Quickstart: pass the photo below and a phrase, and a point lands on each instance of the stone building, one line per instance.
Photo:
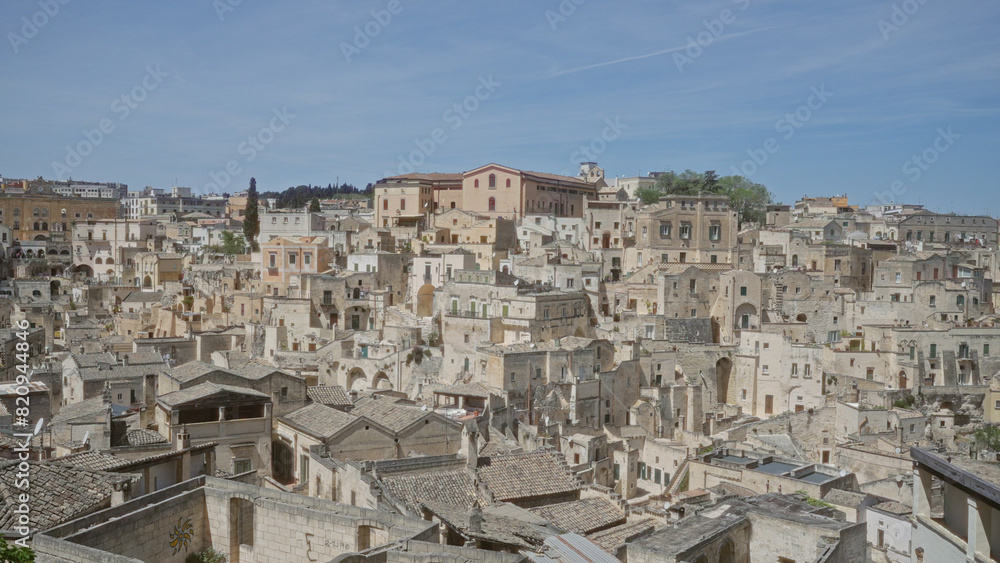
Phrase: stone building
(697, 229)
(39, 213)
(238, 419)
(950, 229)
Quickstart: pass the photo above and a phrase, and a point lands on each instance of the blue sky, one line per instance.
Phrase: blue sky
(700, 85)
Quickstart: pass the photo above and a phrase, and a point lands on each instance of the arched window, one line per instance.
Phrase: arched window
(45, 212)
(493, 204)
(90, 215)
(63, 213)
(476, 183)
(34, 212)
(17, 212)
(45, 226)
(109, 261)
(493, 180)
(17, 226)
(36, 226)
(960, 301)
(508, 182)
(99, 260)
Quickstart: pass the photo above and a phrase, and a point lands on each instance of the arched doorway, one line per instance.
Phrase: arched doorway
(728, 552)
(795, 260)
(902, 379)
(425, 300)
(746, 316)
(723, 369)
(381, 381)
(147, 282)
(793, 399)
(283, 461)
(357, 380)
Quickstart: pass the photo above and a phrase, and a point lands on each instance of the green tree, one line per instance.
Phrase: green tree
(15, 554)
(749, 199)
(232, 243)
(314, 205)
(251, 221)
(987, 438)
(207, 555)
(650, 195)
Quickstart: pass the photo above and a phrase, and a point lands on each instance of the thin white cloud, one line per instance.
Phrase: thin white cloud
(653, 54)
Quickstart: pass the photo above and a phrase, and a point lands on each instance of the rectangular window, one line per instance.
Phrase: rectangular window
(714, 232)
(307, 258)
(303, 468)
(272, 260)
(665, 230)
(241, 466)
(870, 373)
(768, 404)
(795, 370)
(685, 231)
(807, 370)
(986, 349)
(743, 291)
(933, 351)
(291, 259)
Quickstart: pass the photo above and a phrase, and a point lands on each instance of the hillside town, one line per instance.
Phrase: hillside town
(496, 365)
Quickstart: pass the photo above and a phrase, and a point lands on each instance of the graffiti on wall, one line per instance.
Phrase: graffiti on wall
(182, 535)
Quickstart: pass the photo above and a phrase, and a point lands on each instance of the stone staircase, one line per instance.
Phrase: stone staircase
(675, 481)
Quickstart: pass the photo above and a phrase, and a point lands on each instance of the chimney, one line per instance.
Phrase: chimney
(118, 494)
(183, 440)
(476, 518)
(125, 360)
(471, 446)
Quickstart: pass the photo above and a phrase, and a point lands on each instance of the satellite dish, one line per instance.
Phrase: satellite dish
(38, 427)
(898, 450)
(843, 473)
(424, 408)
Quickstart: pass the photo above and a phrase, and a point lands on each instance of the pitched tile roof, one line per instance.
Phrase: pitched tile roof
(613, 538)
(518, 476)
(59, 493)
(95, 461)
(319, 420)
(143, 297)
(142, 437)
(193, 370)
(582, 516)
(204, 390)
(93, 411)
(393, 416)
(330, 395)
(494, 527)
(454, 488)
